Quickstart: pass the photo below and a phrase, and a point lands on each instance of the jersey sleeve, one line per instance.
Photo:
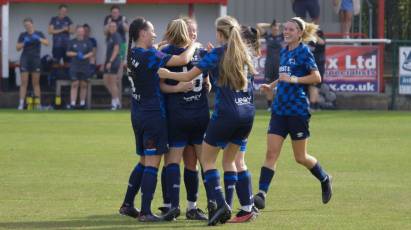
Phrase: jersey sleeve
(94, 42)
(41, 34)
(209, 61)
(90, 46)
(70, 22)
(310, 61)
(203, 52)
(52, 21)
(157, 59)
(21, 38)
(117, 39)
(70, 46)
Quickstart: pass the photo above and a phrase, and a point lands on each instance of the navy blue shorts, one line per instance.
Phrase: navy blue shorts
(296, 126)
(30, 64)
(301, 7)
(80, 76)
(60, 53)
(150, 134)
(219, 133)
(183, 131)
(115, 67)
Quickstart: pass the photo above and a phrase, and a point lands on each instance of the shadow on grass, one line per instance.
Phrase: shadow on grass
(100, 222)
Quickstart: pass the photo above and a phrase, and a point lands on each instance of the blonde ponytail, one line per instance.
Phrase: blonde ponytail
(236, 63)
(309, 29)
(310, 32)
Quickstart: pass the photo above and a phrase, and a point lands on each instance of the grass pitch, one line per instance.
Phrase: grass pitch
(69, 170)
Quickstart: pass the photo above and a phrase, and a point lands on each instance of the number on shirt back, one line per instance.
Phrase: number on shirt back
(131, 80)
(197, 82)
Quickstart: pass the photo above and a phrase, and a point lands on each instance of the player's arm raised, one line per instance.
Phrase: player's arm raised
(185, 57)
(180, 76)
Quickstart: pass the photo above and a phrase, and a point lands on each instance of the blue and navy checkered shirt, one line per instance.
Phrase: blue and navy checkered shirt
(292, 99)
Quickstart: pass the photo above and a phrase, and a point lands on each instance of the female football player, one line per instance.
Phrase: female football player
(147, 113)
(233, 116)
(290, 109)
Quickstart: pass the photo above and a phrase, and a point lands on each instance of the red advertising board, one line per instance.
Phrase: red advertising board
(353, 69)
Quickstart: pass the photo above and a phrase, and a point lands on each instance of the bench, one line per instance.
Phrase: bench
(91, 83)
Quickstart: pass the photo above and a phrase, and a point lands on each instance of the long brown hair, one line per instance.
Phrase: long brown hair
(237, 60)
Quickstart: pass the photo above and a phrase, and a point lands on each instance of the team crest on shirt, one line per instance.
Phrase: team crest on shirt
(195, 58)
(291, 61)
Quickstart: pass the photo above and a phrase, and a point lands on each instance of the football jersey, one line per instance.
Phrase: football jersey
(144, 80)
(291, 99)
(231, 105)
(84, 46)
(191, 101)
(61, 39)
(32, 47)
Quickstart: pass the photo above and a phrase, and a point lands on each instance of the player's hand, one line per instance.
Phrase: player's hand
(163, 72)
(209, 46)
(108, 66)
(207, 85)
(80, 56)
(26, 40)
(185, 86)
(284, 78)
(265, 88)
(66, 29)
(35, 37)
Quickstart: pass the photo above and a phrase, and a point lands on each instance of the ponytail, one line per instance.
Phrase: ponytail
(310, 32)
(309, 29)
(237, 60)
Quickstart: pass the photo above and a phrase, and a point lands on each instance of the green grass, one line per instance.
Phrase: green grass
(69, 170)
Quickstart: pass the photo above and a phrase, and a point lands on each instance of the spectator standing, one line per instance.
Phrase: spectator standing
(302, 7)
(112, 64)
(87, 30)
(274, 41)
(61, 27)
(80, 50)
(122, 27)
(346, 9)
(30, 42)
(318, 50)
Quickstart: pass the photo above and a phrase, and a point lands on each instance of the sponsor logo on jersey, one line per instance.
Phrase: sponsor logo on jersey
(243, 100)
(192, 98)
